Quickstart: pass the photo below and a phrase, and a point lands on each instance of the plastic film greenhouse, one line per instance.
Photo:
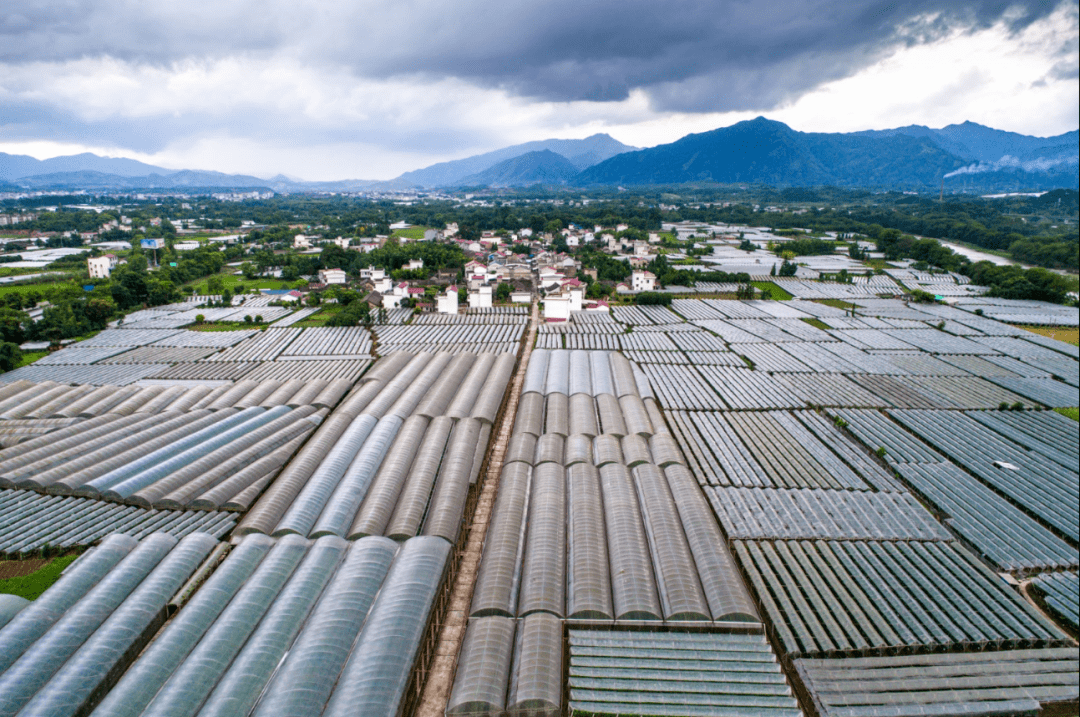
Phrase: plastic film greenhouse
(710, 507)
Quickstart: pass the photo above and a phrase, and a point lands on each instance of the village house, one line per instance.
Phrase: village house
(98, 267)
(332, 276)
(448, 302)
(481, 298)
(558, 306)
(643, 281)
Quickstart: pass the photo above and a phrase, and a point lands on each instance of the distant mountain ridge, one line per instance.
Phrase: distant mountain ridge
(544, 167)
(967, 156)
(17, 166)
(976, 142)
(581, 153)
(185, 178)
(769, 152)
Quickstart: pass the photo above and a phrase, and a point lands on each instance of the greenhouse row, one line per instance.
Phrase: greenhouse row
(622, 499)
(399, 455)
(451, 347)
(309, 371)
(449, 334)
(27, 400)
(1041, 486)
(982, 683)
(642, 315)
(636, 673)
(328, 342)
(99, 375)
(146, 337)
(57, 653)
(827, 598)
(509, 666)
(1061, 593)
(1000, 531)
(177, 355)
(777, 450)
(159, 354)
(263, 346)
(777, 514)
(32, 521)
(349, 619)
(584, 324)
(176, 320)
(469, 319)
(295, 317)
(176, 460)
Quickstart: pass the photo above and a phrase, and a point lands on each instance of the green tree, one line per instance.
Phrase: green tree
(99, 309)
(215, 285)
(10, 356)
(11, 325)
(160, 292)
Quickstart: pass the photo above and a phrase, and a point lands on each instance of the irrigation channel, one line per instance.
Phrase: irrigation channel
(440, 676)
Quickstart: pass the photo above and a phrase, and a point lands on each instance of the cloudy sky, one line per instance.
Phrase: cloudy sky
(371, 88)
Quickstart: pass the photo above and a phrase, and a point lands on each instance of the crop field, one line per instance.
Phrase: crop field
(1068, 335)
(31, 585)
(231, 280)
(714, 507)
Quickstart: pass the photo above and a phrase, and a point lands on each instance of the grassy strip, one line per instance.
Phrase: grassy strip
(1067, 334)
(47, 287)
(230, 281)
(836, 303)
(32, 585)
(30, 357)
(211, 326)
(319, 318)
(817, 324)
(415, 233)
(778, 294)
(1073, 413)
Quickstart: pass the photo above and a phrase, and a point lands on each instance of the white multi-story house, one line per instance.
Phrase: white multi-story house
(332, 276)
(557, 307)
(642, 281)
(448, 303)
(99, 267)
(481, 298)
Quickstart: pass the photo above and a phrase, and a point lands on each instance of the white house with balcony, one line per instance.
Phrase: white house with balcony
(558, 307)
(381, 281)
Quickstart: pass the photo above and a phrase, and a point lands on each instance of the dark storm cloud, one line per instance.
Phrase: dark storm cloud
(688, 55)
